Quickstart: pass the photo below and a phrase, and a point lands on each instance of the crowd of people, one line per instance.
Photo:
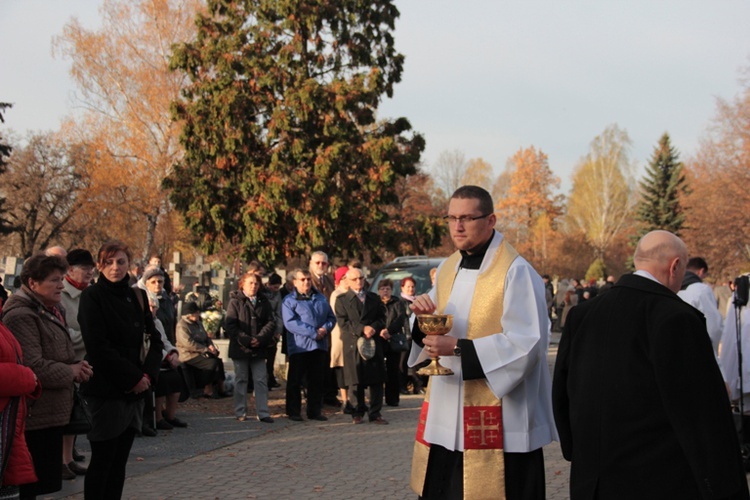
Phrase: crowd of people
(108, 329)
(640, 399)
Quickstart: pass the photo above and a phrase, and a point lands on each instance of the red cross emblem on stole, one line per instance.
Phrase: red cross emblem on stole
(483, 428)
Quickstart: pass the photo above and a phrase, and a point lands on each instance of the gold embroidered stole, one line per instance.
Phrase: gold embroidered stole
(484, 468)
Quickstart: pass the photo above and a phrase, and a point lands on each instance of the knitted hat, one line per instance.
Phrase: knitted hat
(340, 273)
(150, 272)
(274, 279)
(190, 308)
(80, 257)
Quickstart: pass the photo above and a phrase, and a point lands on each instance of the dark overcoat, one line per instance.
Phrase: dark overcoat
(352, 315)
(639, 401)
(113, 324)
(245, 321)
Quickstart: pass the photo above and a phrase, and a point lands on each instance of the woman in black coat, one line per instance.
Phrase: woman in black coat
(250, 326)
(395, 317)
(125, 349)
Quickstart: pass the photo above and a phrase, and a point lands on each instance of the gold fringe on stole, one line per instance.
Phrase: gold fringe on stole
(421, 449)
(484, 464)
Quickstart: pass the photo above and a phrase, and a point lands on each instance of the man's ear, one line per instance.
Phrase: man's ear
(675, 265)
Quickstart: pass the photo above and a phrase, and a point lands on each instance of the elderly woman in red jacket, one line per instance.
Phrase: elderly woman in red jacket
(19, 383)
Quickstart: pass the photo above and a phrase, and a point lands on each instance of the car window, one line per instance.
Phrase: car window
(420, 273)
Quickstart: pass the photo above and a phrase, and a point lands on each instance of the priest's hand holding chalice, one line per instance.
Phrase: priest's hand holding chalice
(435, 327)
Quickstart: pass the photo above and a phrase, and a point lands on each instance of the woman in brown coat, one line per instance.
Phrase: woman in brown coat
(34, 317)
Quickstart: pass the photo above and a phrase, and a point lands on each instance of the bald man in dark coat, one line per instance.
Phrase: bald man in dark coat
(638, 398)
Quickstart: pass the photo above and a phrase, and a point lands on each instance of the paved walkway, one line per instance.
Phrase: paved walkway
(306, 460)
(218, 457)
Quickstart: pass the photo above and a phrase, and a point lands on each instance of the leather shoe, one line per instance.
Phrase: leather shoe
(67, 474)
(266, 420)
(175, 422)
(357, 420)
(379, 421)
(319, 418)
(163, 425)
(296, 418)
(77, 456)
(148, 431)
(76, 469)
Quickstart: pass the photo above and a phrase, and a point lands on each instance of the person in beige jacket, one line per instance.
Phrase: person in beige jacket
(36, 320)
(337, 345)
(198, 351)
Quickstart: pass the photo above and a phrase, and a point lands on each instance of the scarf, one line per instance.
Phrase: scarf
(79, 286)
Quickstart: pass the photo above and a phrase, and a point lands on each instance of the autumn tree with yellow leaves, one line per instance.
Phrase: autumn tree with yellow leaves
(126, 89)
(478, 173)
(601, 204)
(527, 206)
(717, 226)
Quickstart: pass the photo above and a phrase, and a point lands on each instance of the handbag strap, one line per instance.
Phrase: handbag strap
(139, 295)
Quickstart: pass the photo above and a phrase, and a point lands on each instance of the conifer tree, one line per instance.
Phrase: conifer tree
(661, 188)
(283, 149)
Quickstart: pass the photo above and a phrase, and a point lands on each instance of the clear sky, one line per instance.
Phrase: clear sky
(486, 77)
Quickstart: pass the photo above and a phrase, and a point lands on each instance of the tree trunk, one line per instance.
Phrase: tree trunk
(151, 220)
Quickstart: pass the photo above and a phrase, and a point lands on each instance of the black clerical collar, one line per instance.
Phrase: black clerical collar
(474, 260)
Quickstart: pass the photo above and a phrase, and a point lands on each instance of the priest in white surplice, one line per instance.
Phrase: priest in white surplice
(481, 430)
(701, 296)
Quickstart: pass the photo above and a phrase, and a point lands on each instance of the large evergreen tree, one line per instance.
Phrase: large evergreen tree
(659, 206)
(283, 151)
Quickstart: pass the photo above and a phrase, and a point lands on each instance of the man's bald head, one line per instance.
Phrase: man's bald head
(663, 255)
(56, 251)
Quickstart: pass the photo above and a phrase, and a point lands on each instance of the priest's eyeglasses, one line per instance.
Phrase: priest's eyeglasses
(464, 219)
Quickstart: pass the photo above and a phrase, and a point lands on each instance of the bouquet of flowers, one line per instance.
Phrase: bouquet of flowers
(212, 321)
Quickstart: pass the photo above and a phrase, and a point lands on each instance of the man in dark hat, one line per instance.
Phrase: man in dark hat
(78, 277)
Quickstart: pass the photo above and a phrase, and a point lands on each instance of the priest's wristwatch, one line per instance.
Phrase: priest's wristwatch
(457, 350)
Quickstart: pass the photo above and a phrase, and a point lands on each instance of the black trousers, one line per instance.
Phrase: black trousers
(309, 365)
(330, 386)
(212, 369)
(270, 360)
(105, 477)
(392, 377)
(45, 446)
(524, 475)
(356, 396)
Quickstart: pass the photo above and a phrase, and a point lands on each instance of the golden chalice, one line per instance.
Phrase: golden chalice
(435, 324)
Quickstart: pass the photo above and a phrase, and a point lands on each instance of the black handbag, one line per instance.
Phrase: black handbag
(80, 416)
(398, 342)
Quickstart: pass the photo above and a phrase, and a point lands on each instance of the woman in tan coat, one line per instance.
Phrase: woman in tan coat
(34, 317)
(337, 345)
